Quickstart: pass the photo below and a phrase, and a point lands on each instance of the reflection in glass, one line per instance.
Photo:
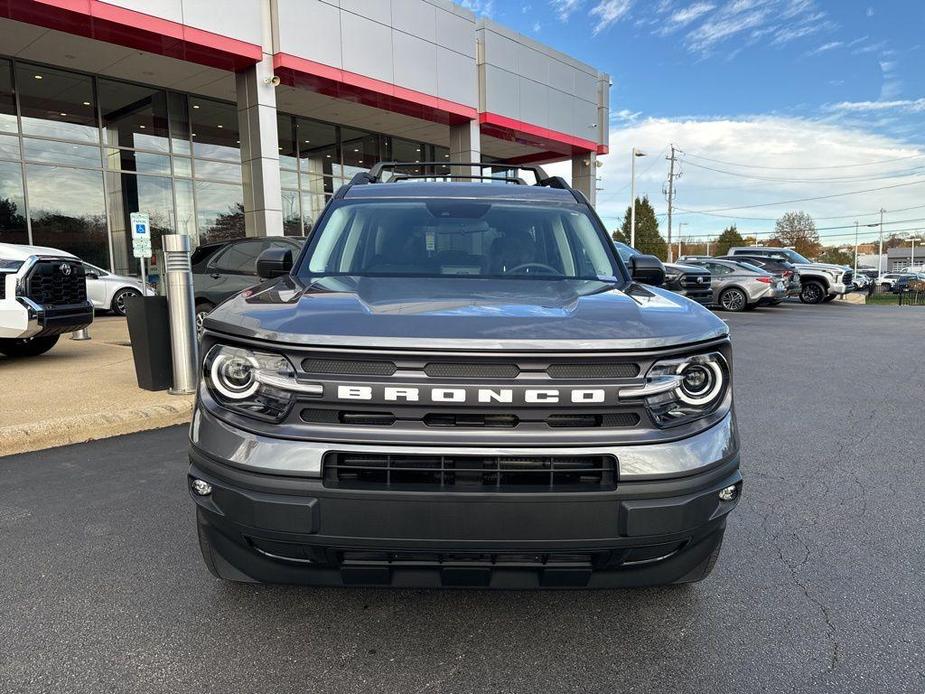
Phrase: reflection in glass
(133, 116)
(405, 150)
(292, 213)
(7, 101)
(131, 193)
(289, 179)
(186, 212)
(9, 147)
(12, 204)
(360, 151)
(178, 111)
(317, 147)
(182, 167)
(288, 152)
(55, 103)
(215, 130)
(61, 153)
(312, 204)
(218, 171)
(140, 162)
(220, 211)
(67, 211)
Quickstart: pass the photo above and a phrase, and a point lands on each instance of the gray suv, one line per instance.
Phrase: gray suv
(462, 384)
(739, 286)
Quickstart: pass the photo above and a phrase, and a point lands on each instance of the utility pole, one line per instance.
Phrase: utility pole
(880, 252)
(671, 177)
(856, 225)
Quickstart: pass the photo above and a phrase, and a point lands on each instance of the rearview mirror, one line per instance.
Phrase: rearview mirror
(647, 269)
(274, 262)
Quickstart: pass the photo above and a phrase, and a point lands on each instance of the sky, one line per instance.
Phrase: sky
(769, 102)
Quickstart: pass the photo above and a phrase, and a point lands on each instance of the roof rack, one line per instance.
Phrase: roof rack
(375, 173)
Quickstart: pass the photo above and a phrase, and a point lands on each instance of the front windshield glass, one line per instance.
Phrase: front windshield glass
(459, 238)
(795, 257)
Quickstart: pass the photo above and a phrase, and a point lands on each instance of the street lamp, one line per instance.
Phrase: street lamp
(880, 249)
(856, 225)
(636, 153)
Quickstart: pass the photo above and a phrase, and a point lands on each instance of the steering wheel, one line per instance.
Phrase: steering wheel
(541, 266)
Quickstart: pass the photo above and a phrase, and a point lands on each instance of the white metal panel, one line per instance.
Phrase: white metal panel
(237, 19)
(456, 77)
(456, 32)
(367, 47)
(171, 10)
(416, 17)
(310, 29)
(415, 62)
(376, 10)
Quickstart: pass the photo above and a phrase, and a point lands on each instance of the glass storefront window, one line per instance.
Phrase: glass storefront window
(215, 130)
(219, 211)
(360, 150)
(55, 103)
(182, 167)
(289, 179)
(67, 211)
(186, 210)
(312, 204)
(288, 150)
(133, 116)
(218, 171)
(132, 193)
(317, 147)
(139, 162)
(292, 213)
(178, 113)
(61, 153)
(12, 204)
(7, 100)
(405, 150)
(9, 147)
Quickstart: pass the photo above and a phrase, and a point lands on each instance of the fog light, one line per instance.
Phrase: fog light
(203, 488)
(729, 493)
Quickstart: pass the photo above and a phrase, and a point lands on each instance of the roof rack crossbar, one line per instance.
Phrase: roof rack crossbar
(411, 177)
(542, 178)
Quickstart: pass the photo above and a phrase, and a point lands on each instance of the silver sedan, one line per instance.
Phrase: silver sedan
(738, 286)
(108, 292)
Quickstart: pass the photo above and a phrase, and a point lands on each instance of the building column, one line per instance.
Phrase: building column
(584, 175)
(263, 214)
(466, 145)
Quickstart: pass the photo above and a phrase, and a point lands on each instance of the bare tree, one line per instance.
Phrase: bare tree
(797, 230)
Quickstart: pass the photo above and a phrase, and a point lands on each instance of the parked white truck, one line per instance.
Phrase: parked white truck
(43, 294)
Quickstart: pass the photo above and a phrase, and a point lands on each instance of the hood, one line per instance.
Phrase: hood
(459, 313)
(821, 266)
(687, 269)
(16, 251)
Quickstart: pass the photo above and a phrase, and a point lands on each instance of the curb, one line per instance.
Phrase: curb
(50, 433)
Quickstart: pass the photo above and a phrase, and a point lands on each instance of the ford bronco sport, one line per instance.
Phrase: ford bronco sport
(462, 384)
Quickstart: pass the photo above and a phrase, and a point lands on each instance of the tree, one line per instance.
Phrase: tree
(728, 239)
(648, 240)
(617, 235)
(836, 256)
(797, 230)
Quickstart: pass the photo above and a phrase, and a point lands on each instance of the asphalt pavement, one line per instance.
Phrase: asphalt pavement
(820, 586)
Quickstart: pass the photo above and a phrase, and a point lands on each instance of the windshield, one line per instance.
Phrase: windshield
(459, 238)
(795, 257)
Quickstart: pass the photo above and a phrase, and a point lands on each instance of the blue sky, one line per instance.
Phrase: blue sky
(797, 99)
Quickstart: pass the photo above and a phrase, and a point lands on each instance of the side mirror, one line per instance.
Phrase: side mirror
(274, 262)
(647, 269)
(91, 275)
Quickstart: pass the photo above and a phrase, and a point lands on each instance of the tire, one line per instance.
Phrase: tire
(203, 309)
(118, 301)
(828, 298)
(813, 293)
(28, 346)
(733, 300)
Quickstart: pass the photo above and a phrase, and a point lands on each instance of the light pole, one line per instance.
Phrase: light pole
(912, 253)
(680, 226)
(856, 225)
(636, 153)
(880, 250)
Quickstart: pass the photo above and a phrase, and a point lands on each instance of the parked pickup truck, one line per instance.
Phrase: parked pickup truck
(458, 383)
(819, 282)
(43, 293)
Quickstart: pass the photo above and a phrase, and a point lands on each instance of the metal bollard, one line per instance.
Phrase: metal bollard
(181, 310)
(80, 335)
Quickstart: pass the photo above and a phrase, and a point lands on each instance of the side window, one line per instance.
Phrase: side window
(717, 269)
(239, 258)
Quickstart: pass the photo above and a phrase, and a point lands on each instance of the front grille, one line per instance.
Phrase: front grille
(47, 284)
(848, 277)
(469, 473)
(347, 367)
(477, 420)
(599, 370)
(690, 282)
(457, 370)
(3, 285)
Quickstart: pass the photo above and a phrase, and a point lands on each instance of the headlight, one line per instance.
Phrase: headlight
(680, 390)
(10, 265)
(258, 384)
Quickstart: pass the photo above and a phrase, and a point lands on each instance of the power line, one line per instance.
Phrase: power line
(804, 168)
(818, 197)
(770, 233)
(918, 171)
(853, 215)
(615, 193)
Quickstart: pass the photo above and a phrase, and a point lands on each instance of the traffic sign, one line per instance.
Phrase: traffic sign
(141, 234)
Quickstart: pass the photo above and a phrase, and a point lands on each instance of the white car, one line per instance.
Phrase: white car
(108, 292)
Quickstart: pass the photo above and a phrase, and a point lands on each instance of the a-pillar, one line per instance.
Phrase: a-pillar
(263, 214)
(584, 174)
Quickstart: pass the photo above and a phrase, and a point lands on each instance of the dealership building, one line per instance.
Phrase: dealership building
(242, 117)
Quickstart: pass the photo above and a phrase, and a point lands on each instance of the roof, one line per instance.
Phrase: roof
(455, 189)
(18, 251)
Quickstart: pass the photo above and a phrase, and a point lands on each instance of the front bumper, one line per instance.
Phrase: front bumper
(23, 318)
(291, 528)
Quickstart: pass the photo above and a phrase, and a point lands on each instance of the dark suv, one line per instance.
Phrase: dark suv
(462, 384)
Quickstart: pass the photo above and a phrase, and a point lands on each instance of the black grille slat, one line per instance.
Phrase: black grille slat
(47, 283)
(348, 367)
(596, 370)
(469, 473)
(440, 369)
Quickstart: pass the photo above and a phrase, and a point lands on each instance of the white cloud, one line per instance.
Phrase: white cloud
(870, 12)
(831, 45)
(908, 105)
(480, 7)
(609, 12)
(564, 8)
(764, 140)
(684, 16)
